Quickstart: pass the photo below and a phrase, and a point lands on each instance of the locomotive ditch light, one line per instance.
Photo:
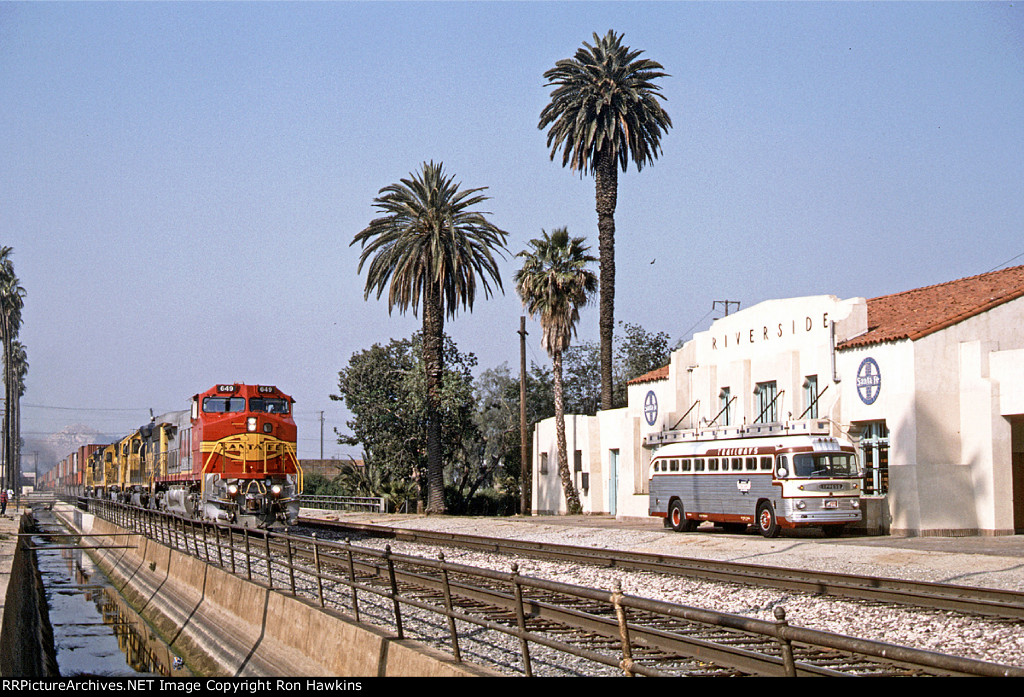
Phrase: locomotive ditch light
(232, 490)
(276, 490)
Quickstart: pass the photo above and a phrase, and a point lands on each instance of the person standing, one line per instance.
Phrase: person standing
(3, 501)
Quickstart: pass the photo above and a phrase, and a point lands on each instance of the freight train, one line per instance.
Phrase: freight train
(231, 457)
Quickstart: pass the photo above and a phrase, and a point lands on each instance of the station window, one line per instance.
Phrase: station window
(767, 407)
(811, 397)
(725, 407)
(543, 463)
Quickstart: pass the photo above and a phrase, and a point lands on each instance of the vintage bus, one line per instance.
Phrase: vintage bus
(774, 480)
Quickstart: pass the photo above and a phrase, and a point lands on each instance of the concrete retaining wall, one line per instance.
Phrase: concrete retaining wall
(26, 638)
(228, 626)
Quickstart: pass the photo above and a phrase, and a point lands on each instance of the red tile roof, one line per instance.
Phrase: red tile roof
(653, 376)
(914, 314)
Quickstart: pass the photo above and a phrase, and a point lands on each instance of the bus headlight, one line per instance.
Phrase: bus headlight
(855, 503)
(800, 505)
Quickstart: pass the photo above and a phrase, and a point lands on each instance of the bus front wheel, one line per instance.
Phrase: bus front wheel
(767, 524)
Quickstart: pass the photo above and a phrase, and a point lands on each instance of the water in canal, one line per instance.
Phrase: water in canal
(94, 631)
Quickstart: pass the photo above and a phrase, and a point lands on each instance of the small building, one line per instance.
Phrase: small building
(928, 383)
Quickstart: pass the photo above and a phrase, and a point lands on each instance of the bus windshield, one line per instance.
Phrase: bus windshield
(825, 465)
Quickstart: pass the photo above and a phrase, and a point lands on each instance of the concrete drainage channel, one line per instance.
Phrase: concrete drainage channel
(95, 632)
(63, 618)
(224, 625)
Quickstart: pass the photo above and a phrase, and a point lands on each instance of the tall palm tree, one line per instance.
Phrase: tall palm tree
(554, 283)
(604, 111)
(11, 303)
(19, 361)
(429, 250)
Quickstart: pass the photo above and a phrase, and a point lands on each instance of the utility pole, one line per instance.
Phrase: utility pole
(524, 448)
(321, 439)
(726, 303)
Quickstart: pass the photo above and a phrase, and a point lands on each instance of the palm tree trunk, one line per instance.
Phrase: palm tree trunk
(572, 499)
(433, 361)
(606, 182)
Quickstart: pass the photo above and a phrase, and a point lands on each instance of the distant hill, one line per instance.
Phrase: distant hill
(55, 447)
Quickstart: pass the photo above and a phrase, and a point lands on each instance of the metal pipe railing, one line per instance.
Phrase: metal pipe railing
(309, 562)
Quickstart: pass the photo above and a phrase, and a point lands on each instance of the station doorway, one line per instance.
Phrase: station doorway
(1017, 470)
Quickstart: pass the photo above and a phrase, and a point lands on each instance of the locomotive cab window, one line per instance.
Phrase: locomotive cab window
(223, 405)
(270, 405)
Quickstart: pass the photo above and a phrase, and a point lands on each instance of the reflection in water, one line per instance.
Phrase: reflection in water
(95, 632)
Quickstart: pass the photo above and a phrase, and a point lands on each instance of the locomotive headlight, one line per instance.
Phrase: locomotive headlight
(250, 424)
(276, 490)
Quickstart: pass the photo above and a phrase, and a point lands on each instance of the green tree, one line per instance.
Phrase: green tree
(604, 111)
(497, 397)
(639, 352)
(384, 388)
(554, 282)
(429, 249)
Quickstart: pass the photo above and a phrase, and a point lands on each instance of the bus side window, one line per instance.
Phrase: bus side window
(766, 463)
(750, 463)
(782, 463)
(686, 465)
(673, 465)
(657, 466)
(737, 464)
(713, 464)
(698, 464)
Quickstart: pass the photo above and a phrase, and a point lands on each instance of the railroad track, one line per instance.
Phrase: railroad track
(516, 622)
(924, 594)
(663, 639)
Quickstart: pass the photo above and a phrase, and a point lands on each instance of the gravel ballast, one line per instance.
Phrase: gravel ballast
(997, 641)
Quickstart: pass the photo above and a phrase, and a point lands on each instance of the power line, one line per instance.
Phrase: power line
(1006, 262)
(60, 408)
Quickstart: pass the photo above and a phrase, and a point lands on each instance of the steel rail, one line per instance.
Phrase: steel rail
(548, 611)
(763, 635)
(981, 601)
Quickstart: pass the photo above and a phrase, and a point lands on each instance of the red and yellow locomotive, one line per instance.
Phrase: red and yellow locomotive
(231, 456)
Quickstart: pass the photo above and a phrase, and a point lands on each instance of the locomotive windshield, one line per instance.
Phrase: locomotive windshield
(825, 465)
(223, 405)
(270, 405)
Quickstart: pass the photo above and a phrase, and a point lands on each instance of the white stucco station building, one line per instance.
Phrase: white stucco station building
(928, 383)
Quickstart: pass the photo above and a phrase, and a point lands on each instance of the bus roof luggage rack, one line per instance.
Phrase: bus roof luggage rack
(807, 427)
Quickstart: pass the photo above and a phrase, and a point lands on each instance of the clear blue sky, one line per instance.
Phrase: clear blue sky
(180, 182)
